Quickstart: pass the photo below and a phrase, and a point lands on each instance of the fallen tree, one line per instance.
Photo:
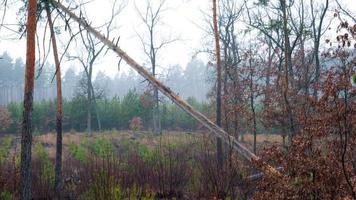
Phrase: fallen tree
(219, 132)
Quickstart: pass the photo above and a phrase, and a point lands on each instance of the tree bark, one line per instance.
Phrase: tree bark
(219, 150)
(58, 164)
(26, 132)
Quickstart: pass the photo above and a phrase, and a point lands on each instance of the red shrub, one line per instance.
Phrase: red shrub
(136, 124)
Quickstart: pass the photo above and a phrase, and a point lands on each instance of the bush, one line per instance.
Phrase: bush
(102, 147)
(42, 173)
(136, 124)
(15, 110)
(78, 152)
(5, 118)
(103, 180)
(47, 165)
(5, 146)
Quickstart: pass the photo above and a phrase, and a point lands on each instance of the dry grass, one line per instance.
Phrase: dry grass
(48, 139)
(145, 138)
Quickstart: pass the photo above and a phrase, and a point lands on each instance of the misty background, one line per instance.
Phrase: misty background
(190, 81)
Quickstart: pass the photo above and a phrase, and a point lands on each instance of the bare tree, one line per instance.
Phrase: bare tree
(94, 49)
(317, 33)
(88, 63)
(151, 17)
(26, 136)
(346, 11)
(287, 73)
(229, 14)
(279, 26)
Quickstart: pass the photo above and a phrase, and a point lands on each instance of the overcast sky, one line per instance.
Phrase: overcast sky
(181, 19)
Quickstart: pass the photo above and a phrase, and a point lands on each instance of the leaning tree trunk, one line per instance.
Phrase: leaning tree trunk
(246, 153)
(58, 165)
(26, 132)
(218, 85)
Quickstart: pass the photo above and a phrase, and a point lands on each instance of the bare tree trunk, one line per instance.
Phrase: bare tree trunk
(89, 99)
(305, 67)
(156, 112)
(58, 164)
(225, 110)
(317, 35)
(287, 64)
(245, 152)
(26, 136)
(96, 107)
(219, 150)
(236, 115)
(93, 97)
(268, 72)
(252, 102)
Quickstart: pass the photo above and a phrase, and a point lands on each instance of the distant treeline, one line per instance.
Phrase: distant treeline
(191, 81)
(114, 113)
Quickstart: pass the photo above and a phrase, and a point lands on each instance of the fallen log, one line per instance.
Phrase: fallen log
(219, 132)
